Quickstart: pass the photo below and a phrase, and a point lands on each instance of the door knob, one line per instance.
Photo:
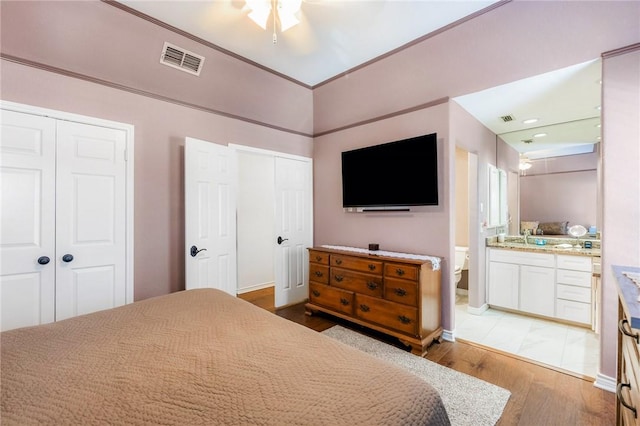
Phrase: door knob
(67, 258)
(194, 251)
(43, 260)
(282, 240)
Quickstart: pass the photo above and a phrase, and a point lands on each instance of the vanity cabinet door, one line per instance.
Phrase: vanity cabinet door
(503, 284)
(537, 290)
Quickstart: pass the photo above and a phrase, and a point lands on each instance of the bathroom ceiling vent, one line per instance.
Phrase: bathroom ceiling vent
(527, 141)
(507, 118)
(179, 58)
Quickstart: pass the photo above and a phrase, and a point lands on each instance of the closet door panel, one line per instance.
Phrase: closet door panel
(27, 233)
(90, 220)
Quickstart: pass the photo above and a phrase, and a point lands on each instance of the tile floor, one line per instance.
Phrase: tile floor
(571, 348)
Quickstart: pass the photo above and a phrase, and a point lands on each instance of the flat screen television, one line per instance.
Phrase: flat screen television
(395, 174)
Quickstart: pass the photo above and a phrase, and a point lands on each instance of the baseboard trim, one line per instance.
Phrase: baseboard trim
(448, 335)
(477, 311)
(255, 287)
(605, 383)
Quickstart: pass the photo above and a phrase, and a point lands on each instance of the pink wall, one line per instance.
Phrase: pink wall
(517, 40)
(569, 196)
(160, 129)
(621, 192)
(98, 40)
(95, 40)
(476, 55)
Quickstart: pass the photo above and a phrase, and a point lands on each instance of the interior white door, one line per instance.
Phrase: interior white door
(210, 216)
(90, 219)
(27, 232)
(293, 187)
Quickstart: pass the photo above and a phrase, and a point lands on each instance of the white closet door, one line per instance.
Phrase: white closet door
(294, 231)
(90, 219)
(210, 216)
(27, 234)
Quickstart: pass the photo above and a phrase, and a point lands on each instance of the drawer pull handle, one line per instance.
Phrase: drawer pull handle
(344, 301)
(316, 293)
(319, 274)
(404, 319)
(623, 330)
(338, 261)
(339, 278)
(372, 267)
(371, 285)
(318, 258)
(364, 308)
(400, 271)
(400, 292)
(621, 399)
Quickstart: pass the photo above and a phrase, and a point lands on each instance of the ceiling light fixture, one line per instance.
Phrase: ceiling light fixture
(530, 121)
(539, 135)
(282, 11)
(525, 163)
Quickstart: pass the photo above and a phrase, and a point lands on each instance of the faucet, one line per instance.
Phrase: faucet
(527, 232)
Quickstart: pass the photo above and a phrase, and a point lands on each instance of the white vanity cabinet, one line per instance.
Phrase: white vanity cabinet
(574, 294)
(552, 285)
(522, 281)
(537, 290)
(504, 284)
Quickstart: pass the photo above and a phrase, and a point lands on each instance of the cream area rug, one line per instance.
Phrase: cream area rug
(469, 401)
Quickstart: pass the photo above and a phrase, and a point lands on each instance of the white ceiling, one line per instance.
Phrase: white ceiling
(566, 103)
(335, 36)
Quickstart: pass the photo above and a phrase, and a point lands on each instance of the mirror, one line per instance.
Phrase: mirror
(553, 122)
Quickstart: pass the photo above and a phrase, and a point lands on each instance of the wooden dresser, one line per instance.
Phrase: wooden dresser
(628, 386)
(394, 295)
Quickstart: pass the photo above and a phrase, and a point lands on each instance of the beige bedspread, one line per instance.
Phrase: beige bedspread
(200, 357)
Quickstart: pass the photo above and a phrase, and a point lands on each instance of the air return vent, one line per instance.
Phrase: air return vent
(507, 118)
(181, 59)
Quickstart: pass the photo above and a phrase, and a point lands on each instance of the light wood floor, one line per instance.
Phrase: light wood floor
(539, 396)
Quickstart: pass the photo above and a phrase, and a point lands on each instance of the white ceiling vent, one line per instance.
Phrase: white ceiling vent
(507, 118)
(181, 59)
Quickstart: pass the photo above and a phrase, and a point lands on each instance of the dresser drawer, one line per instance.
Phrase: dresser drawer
(357, 264)
(565, 276)
(358, 282)
(575, 293)
(334, 298)
(319, 273)
(400, 317)
(318, 257)
(573, 311)
(397, 270)
(401, 291)
(630, 392)
(576, 263)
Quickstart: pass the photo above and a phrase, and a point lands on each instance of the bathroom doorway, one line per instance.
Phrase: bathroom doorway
(462, 229)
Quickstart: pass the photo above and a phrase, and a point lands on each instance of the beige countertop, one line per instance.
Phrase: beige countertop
(550, 247)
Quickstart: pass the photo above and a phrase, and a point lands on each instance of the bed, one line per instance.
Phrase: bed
(200, 357)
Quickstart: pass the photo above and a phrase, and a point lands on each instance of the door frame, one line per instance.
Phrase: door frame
(267, 152)
(129, 131)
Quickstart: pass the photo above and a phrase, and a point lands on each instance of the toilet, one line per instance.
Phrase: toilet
(462, 261)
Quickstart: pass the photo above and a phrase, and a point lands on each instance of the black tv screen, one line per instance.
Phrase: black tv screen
(395, 174)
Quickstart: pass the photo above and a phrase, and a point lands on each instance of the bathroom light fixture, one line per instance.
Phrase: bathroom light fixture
(282, 11)
(525, 163)
(539, 135)
(530, 121)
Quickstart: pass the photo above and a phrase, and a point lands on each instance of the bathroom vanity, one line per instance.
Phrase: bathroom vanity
(551, 281)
